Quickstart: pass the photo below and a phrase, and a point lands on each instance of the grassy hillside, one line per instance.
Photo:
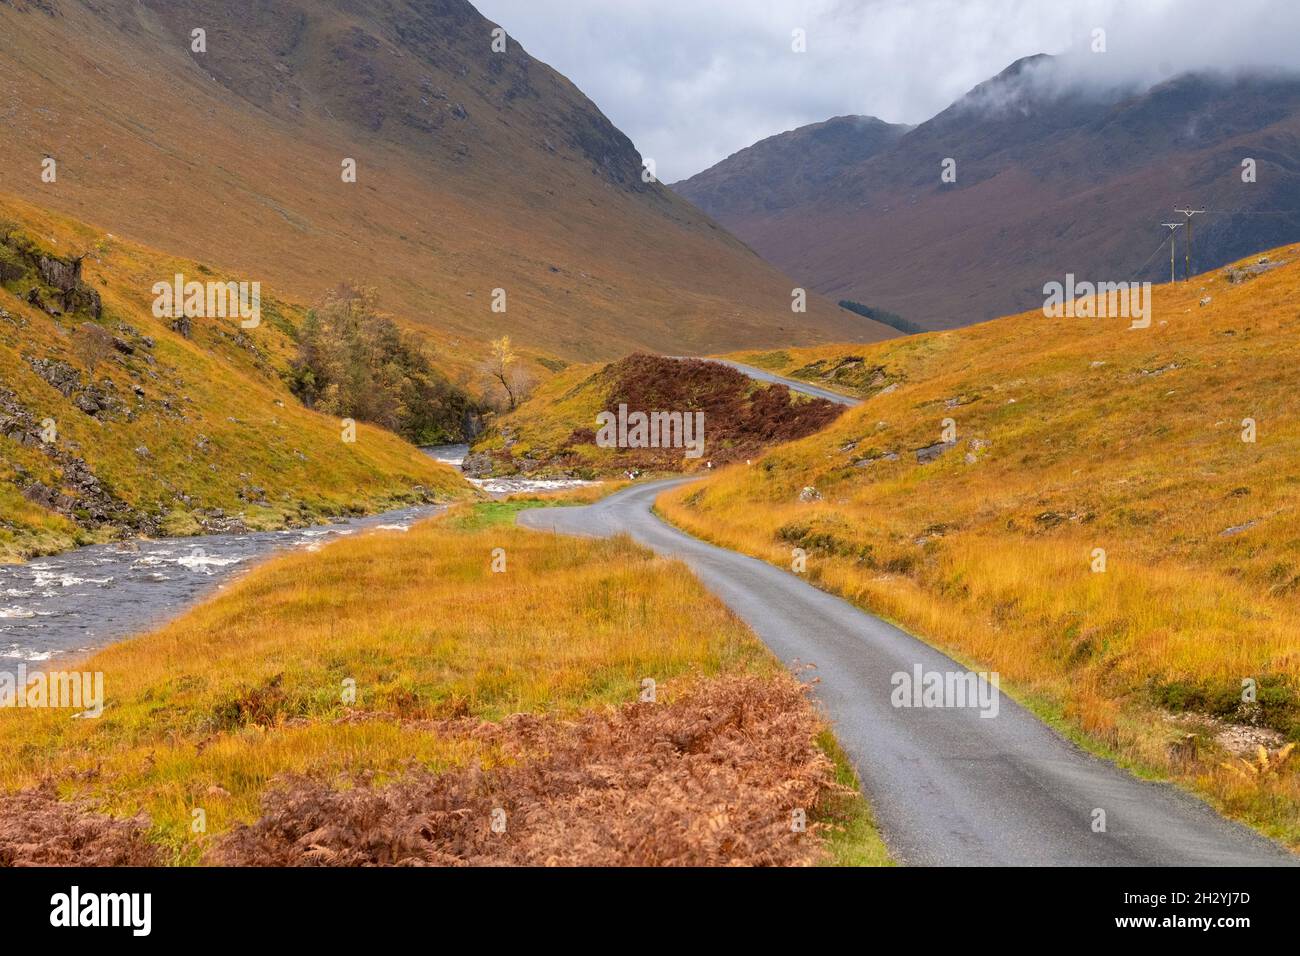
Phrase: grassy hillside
(475, 171)
(1074, 436)
(165, 434)
(473, 690)
(555, 431)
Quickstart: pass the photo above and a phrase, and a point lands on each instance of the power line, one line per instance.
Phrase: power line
(1188, 214)
(1173, 246)
(1137, 275)
(1251, 212)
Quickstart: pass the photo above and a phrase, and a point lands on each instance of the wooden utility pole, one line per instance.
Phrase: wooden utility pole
(1173, 246)
(1189, 213)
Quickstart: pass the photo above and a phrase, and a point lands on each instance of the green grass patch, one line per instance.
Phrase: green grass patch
(853, 839)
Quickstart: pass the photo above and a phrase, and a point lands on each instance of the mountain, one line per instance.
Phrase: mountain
(475, 170)
(1055, 173)
(788, 169)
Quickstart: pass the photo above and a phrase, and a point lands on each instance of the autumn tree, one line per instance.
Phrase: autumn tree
(354, 362)
(93, 345)
(503, 367)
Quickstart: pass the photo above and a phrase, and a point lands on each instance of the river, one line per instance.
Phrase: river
(84, 599)
(454, 455)
(87, 598)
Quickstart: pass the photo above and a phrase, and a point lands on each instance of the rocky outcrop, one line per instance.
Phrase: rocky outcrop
(1239, 274)
(479, 464)
(62, 289)
(65, 276)
(80, 494)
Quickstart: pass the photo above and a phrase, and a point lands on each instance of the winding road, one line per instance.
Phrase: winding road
(948, 785)
(793, 384)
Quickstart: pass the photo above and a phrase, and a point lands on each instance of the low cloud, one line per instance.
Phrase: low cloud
(693, 82)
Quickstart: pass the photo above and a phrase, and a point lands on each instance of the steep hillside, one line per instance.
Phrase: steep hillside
(113, 420)
(720, 416)
(1112, 522)
(475, 171)
(1052, 176)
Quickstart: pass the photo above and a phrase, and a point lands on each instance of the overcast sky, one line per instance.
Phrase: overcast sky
(692, 81)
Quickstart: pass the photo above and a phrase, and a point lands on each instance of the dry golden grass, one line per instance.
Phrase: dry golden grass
(1073, 435)
(212, 709)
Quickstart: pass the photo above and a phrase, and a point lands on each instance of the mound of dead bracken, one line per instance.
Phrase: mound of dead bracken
(38, 829)
(742, 417)
(717, 777)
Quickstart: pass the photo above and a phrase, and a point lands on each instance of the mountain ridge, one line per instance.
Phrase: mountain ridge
(1050, 178)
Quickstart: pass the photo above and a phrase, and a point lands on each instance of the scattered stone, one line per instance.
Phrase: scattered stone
(810, 493)
(930, 452)
(1238, 739)
(887, 456)
(1172, 366)
(1237, 529)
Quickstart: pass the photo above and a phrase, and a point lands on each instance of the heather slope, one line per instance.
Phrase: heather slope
(115, 421)
(476, 171)
(1098, 530)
